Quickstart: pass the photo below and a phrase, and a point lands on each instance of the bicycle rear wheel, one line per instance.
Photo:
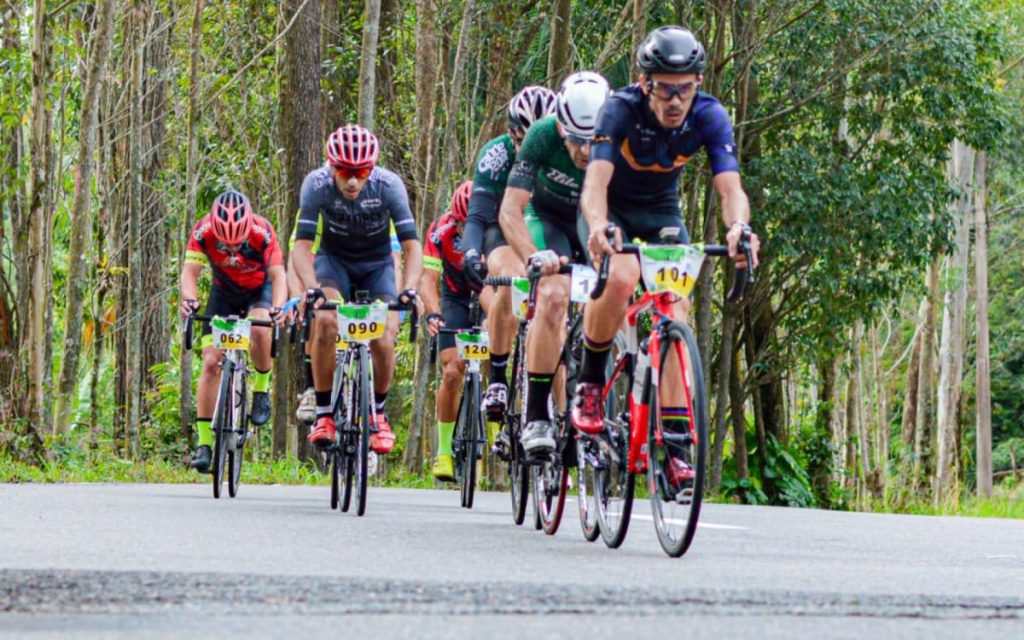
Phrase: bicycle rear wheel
(241, 424)
(222, 416)
(335, 481)
(675, 506)
(518, 467)
(614, 483)
(362, 452)
(550, 484)
(586, 451)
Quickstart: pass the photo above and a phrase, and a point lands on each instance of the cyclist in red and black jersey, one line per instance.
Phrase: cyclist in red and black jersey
(241, 249)
(443, 258)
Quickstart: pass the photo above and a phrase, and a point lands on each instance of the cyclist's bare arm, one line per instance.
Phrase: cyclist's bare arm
(412, 251)
(396, 257)
(594, 203)
(295, 287)
(428, 290)
(513, 225)
(188, 286)
(735, 208)
(302, 263)
(279, 285)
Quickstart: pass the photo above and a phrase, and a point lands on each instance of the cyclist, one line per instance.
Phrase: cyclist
(444, 257)
(645, 135)
(306, 411)
(545, 183)
(483, 239)
(356, 199)
(248, 279)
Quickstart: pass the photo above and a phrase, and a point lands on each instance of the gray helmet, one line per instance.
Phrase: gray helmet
(670, 49)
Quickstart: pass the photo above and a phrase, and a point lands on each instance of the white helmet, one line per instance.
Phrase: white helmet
(579, 102)
(530, 105)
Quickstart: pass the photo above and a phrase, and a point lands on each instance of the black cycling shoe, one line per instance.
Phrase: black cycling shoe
(260, 413)
(201, 459)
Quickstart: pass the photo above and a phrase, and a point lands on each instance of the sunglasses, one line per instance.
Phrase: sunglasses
(577, 140)
(669, 90)
(347, 173)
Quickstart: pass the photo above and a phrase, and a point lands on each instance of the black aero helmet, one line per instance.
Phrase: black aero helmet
(670, 49)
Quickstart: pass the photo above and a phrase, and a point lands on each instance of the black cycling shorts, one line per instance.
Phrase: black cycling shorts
(493, 238)
(226, 302)
(455, 310)
(549, 233)
(376, 277)
(643, 226)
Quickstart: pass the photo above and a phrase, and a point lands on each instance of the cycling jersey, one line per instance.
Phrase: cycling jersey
(545, 168)
(354, 230)
(242, 271)
(493, 164)
(648, 158)
(443, 253)
(396, 246)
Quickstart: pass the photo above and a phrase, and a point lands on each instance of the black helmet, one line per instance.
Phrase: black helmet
(670, 49)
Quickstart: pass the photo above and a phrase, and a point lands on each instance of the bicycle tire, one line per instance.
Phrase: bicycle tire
(675, 536)
(458, 438)
(614, 482)
(470, 444)
(519, 487)
(363, 440)
(221, 423)
(236, 453)
(550, 484)
(585, 496)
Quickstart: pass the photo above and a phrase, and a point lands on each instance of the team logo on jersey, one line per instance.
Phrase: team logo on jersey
(493, 161)
(370, 203)
(558, 177)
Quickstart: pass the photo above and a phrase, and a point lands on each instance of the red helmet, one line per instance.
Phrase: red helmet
(460, 200)
(353, 147)
(232, 217)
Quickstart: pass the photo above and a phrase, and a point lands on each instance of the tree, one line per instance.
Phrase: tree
(368, 66)
(560, 53)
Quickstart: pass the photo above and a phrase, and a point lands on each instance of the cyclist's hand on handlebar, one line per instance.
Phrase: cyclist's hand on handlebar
(737, 233)
(188, 307)
(407, 296)
(546, 262)
(277, 317)
(599, 245)
(475, 268)
(434, 323)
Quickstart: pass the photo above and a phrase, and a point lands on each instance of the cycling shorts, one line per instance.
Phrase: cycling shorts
(376, 277)
(548, 233)
(455, 310)
(643, 226)
(223, 302)
(493, 238)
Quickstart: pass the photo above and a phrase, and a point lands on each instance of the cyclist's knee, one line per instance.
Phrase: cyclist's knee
(453, 372)
(553, 296)
(326, 326)
(211, 362)
(621, 284)
(259, 313)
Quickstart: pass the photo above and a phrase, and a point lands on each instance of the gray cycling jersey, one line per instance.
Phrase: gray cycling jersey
(355, 231)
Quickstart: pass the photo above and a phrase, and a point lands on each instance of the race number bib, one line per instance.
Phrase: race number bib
(339, 343)
(520, 296)
(671, 268)
(472, 345)
(584, 279)
(362, 322)
(231, 334)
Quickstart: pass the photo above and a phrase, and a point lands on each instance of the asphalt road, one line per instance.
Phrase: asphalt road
(131, 561)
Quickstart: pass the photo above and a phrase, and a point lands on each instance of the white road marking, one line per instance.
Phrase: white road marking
(700, 525)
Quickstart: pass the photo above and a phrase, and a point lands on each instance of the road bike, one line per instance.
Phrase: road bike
(635, 440)
(230, 424)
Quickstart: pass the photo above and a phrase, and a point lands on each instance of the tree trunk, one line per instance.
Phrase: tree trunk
(639, 23)
(302, 127)
(368, 65)
(820, 466)
(81, 217)
(185, 405)
(853, 417)
(926, 381)
(722, 388)
(560, 51)
(983, 383)
(910, 394)
(136, 299)
(452, 162)
(739, 419)
(954, 316)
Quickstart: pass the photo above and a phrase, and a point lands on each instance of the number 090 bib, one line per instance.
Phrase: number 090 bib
(473, 346)
(672, 268)
(362, 322)
(230, 334)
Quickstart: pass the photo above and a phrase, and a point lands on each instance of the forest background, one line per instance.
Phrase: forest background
(877, 363)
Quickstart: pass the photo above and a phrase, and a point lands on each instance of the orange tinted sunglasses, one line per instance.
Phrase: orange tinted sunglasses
(347, 173)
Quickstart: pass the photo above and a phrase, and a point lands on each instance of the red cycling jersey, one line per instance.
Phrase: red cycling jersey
(443, 252)
(243, 270)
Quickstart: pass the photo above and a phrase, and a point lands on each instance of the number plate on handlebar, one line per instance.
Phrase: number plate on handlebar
(520, 297)
(584, 279)
(672, 268)
(231, 334)
(473, 346)
(362, 322)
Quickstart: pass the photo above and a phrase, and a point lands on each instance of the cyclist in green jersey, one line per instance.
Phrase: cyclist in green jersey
(538, 217)
(484, 246)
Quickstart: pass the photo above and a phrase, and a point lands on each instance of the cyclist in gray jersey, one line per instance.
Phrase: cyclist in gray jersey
(353, 201)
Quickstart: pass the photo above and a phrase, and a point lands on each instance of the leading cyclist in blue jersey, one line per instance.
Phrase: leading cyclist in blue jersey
(645, 135)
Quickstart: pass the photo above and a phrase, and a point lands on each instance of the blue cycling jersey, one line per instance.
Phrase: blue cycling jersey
(648, 158)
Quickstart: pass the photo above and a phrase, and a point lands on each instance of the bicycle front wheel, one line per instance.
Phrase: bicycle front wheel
(363, 441)
(675, 472)
(550, 484)
(470, 431)
(614, 483)
(223, 414)
(238, 433)
(518, 467)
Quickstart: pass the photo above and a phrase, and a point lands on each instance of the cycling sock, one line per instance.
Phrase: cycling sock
(378, 401)
(538, 388)
(204, 431)
(675, 419)
(444, 437)
(323, 404)
(499, 363)
(595, 359)
(308, 362)
(261, 381)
